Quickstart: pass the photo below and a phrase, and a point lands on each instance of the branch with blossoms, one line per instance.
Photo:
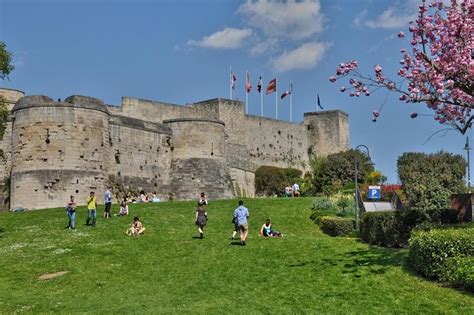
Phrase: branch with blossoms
(439, 70)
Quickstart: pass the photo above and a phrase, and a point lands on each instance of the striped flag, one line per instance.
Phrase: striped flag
(272, 86)
(248, 85)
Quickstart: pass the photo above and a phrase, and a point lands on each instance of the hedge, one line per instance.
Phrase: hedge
(383, 228)
(459, 271)
(430, 251)
(337, 226)
(393, 228)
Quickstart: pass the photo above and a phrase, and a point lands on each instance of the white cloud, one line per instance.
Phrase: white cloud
(304, 57)
(390, 19)
(228, 38)
(263, 46)
(293, 19)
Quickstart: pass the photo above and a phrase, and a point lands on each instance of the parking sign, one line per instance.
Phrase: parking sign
(374, 192)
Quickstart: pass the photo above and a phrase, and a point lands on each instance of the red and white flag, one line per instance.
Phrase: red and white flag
(287, 92)
(233, 79)
(259, 85)
(248, 85)
(272, 86)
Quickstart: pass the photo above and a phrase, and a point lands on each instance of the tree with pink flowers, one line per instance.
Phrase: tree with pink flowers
(437, 70)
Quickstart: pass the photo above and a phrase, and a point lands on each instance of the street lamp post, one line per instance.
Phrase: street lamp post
(468, 148)
(357, 214)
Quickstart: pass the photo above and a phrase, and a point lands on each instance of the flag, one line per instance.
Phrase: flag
(272, 86)
(233, 79)
(319, 103)
(259, 85)
(287, 92)
(248, 85)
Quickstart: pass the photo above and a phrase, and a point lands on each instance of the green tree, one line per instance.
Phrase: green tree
(428, 180)
(340, 168)
(5, 69)
(6, 66)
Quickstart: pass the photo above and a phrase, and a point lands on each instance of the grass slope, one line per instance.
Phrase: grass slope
(168, 271)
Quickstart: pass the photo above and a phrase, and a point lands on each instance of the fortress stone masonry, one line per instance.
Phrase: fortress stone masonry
(54, 149)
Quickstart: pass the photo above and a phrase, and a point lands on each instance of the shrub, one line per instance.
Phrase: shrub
(383, 228)
(444, 216)
(270, 180)
(429, 180)
(336, 226)
(459, 271)
(430, 250)
(321, 207)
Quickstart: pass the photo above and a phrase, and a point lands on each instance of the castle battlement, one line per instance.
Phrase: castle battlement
(54, 149)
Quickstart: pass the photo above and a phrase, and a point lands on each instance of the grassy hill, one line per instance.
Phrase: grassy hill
(167, 270)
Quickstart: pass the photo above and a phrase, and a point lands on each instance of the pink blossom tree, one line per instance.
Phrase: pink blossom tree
(437, 70)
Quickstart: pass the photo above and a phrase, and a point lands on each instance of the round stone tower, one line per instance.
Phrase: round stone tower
(11, 96)
(58, 149)
(198, 163)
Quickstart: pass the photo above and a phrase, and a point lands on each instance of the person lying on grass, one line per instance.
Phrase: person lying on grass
(136, 228)
(267, 231)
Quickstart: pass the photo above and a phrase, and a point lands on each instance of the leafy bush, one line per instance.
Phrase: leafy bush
(429, 180)
(271, 180)
(336, 226)
(444, 216)
(338, 169)
(321, 207)
(383, 228)
(459, 271)
(430, 250)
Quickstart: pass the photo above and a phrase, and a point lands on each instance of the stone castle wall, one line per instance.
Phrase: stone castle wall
(61, 148)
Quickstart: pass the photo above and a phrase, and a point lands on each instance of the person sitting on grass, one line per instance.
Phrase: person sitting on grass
(123, 208)
(267, 231)
(136, 228)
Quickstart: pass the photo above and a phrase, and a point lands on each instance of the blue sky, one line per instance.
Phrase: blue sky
(180, 52)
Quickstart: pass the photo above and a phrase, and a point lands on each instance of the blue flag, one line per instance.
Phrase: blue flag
(319, 103)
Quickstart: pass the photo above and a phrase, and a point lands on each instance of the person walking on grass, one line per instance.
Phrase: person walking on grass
(201, 219)
(241, 215)
(108, 203)
(91, 209)
(71, 213)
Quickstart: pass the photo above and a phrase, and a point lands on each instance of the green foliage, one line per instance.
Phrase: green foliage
(459, 270)
(338, 169)
(337, 226)
(393, 228)
(383, 228)
(6, 66)
(429, 180)
(292, 175)
(271, 180)
(5, 69)
(431, 253)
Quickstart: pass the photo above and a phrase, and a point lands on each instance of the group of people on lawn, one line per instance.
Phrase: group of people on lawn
(239, 219)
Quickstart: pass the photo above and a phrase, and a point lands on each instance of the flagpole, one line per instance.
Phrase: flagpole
(230, 83)
(291, 102)
(246, 92)
(261, 98)
(276, 98)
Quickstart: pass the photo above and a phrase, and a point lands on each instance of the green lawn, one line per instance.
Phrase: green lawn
(167, 270)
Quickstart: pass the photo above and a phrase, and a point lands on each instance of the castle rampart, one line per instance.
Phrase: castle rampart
(81, 144)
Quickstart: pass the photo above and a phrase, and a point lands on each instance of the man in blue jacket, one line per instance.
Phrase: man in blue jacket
(241, 215)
